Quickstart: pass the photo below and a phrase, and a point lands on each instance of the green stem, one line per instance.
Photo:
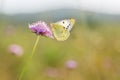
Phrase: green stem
(29, 59)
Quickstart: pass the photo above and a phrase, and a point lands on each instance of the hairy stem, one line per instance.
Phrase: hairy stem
(29, 59)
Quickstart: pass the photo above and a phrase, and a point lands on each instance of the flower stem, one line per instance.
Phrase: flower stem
(29, 59)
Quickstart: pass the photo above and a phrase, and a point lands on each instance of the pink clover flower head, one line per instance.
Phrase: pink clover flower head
(41, 28)
(71, 64)
(51, 72)
(15, 49)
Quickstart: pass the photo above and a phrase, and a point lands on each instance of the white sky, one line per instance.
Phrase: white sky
(29, 6)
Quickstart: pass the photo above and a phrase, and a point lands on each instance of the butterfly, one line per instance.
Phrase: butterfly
(61, 29)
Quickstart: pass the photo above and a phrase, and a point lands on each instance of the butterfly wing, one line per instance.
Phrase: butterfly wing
(67, 23)
(59, 32)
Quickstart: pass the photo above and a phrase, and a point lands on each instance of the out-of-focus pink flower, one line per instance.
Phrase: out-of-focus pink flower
(51, 72)
(41, 28)
(15, 49)
(107, 63)
(9, 30)
(71, 64)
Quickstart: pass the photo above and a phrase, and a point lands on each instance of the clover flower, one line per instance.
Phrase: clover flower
(41, 28)
(9, 30)
(71, 64)
(15, 49)
(51, 72)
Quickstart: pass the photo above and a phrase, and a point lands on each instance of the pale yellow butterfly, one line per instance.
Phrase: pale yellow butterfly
(61, 29)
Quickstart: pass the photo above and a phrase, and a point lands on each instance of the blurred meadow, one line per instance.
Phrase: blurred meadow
(92, 52)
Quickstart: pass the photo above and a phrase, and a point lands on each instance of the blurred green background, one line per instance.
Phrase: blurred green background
(94, 44)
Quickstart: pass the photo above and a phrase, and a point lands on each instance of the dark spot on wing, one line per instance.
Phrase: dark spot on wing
(68, 26)
(63, 22)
